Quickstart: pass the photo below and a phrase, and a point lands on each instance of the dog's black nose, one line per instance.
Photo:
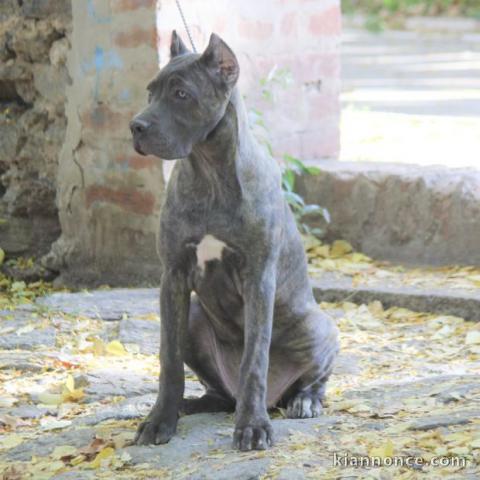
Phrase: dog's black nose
(138, 126)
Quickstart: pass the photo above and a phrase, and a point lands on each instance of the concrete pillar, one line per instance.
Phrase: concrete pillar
(108, 196)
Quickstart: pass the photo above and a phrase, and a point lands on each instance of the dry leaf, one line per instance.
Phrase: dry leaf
(63, 451)
(50, 423)
(11, 441)
(101, 456)
(473, 338)
(115, 348)
(50, 398)
(340, 248)
(385, 450)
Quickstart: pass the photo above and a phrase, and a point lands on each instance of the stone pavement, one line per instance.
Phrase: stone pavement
(78, 371)
(411, 98)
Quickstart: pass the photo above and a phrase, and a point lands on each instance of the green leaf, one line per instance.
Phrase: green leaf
(288, 180)
(294, 199)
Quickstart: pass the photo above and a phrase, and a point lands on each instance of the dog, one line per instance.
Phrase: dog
(236, 302)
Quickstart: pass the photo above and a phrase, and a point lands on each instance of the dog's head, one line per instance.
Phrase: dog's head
(186, 100)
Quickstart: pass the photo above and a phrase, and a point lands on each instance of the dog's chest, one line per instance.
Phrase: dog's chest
(208, 250)
(216, 269)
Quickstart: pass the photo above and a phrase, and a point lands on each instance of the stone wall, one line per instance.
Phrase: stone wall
(108, 196)
(34, 40)
(300, 36)
(403, 213)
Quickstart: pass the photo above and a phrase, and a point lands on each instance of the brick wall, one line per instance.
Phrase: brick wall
(302, 36)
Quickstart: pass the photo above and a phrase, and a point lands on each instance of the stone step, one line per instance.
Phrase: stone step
(329, 287)
(402, 213)
(333, 287)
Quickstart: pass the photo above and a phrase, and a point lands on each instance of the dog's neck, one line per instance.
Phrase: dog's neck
(214, 161)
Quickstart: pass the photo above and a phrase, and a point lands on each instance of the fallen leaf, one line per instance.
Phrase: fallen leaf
(475, 443)
(62, 451)
(385, 450)
(70, 383)
(115, 348)
(49, 423)
(101, 456)
(6, 402)
(25, 329)
(473, 338)
(50, 398)
(11, 441)
(340, 248)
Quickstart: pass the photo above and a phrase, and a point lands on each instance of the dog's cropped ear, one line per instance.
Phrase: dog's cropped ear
(221, 61)
(177, 47)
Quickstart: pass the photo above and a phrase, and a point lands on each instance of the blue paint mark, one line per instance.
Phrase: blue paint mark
(103, 61)
(124, 94)
(92, 13)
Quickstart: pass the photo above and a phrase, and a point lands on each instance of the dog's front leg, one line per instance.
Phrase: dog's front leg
(161, 423)
(253, 429)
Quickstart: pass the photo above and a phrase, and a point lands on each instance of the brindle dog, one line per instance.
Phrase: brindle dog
(235, 299)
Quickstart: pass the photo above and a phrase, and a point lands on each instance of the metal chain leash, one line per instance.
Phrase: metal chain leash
(185, 24)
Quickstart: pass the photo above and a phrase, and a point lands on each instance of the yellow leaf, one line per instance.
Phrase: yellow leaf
(116, 348)
(460, 450)
(475, 279)
(70, 383)
(77, 460)
(74, 396)
(473, 337)
(102, 455)
(475, 443)
(320, 251)
(360, 257)
(340, 248)
(63, 451)
(11, 441)
(50, 398)
(2, 256)
(385, 450)
(98, 347)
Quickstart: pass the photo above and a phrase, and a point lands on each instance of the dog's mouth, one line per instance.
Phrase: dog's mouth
(137, 148)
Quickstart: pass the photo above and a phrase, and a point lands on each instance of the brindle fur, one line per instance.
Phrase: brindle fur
(247, 325)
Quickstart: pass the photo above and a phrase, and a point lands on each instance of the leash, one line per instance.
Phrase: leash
(185, 25)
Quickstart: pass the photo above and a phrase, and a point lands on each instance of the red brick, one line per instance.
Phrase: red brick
(128, 5)
(138, 162)
(136, 37)
(326, 23)
(289, 24)
(255, 30)
(129, 199)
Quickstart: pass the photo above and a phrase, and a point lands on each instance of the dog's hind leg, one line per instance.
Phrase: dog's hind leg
(200, 357)
(305, 397)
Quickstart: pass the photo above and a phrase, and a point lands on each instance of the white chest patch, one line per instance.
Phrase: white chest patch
(210, 248)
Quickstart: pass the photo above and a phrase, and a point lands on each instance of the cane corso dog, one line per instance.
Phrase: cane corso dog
(236, 302)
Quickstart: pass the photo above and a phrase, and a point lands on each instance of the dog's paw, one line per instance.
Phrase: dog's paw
(304, 405)
(154, 433)
(255, 435)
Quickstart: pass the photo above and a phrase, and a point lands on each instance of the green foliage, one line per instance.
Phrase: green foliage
(292, 167)
(301, 210)
(380, 12)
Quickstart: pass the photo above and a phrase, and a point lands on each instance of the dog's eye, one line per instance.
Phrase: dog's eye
(181, 94)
